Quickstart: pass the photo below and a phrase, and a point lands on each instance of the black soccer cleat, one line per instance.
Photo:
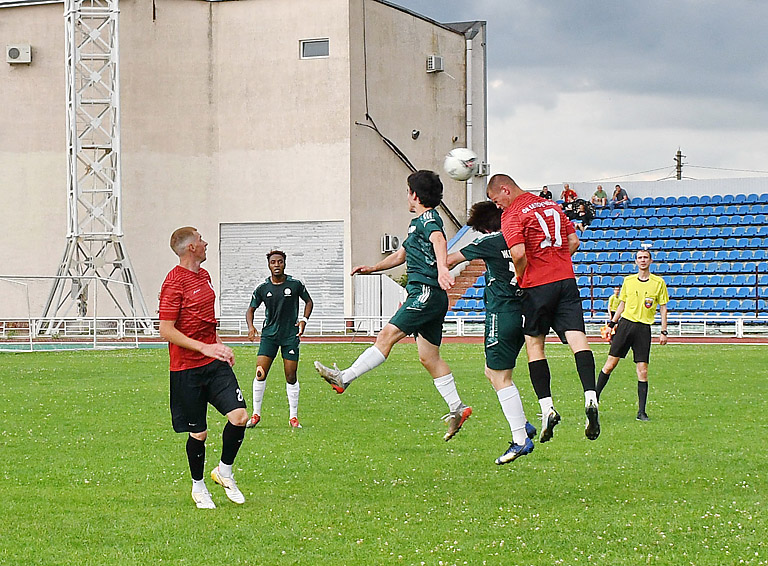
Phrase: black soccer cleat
(548, 423)
(592, 430)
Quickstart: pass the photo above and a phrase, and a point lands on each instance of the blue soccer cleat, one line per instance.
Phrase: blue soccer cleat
(530, 430)
(515, 451)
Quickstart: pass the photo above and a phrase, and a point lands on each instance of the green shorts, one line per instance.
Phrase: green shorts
(423, 312)
(289, 348)
(503, 339)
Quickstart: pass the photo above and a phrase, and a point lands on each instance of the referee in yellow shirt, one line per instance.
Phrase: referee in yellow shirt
(639, 296)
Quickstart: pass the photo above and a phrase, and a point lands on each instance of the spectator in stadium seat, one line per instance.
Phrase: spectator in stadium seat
(583, 217)
(545, 193)
(619, 198)
(568, 195)
(640, 295)
(613, 302)
(600, 198)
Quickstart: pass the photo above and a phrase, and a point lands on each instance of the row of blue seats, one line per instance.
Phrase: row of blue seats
(677, 245)
(693, 305)
(676, 233)
(745, 254)
(729, 280)
(702, 200)
(469, 305)
(678, 221)
(673, 268)
(722, 210)
(687, 292)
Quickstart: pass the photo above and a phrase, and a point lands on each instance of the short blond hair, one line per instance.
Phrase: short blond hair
(181, 238)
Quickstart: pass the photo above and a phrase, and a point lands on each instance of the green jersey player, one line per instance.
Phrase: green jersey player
(503, 321)
(282, 329)
(422, 313)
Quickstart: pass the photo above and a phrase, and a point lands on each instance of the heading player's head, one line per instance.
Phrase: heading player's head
(502, 190)
(276, 262)
(187, 240)
(427, 187)
(485, 217)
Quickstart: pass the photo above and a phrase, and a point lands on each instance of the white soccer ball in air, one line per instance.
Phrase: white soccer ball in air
(460, 163)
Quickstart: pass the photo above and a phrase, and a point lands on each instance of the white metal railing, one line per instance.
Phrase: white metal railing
(130, 329)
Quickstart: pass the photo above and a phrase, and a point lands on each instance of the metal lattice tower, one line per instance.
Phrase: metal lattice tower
(94, 219)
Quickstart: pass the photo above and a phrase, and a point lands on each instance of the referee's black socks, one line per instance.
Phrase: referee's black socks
(585, 366)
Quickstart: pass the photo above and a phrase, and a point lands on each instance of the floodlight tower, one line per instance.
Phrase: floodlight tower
(94, 219)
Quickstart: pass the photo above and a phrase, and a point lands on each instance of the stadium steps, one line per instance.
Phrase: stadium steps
(465, 280)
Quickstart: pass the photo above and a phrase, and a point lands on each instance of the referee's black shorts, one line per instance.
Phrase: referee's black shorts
(192, 390)
(555, 306)
(635, 335)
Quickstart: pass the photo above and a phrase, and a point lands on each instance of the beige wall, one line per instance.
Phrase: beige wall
(222, 122)
(402, 97)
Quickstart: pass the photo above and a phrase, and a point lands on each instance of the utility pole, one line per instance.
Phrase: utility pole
(94, 254)
(679, 163)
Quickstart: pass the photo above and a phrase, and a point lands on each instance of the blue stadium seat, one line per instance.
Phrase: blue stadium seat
(744, 292)
(480, 281)
(469, 293)
(585, 292)
(733, 305)
(716, 199)
(740, 198)
(718, 210)
(652, 222)
(750, 231)
(704, 200)
(747, 305)
(702, 280)
(760, 219)
(675, 221)
(708, 255)
(708, 305)
(670, 201)
(728, 280)
(729, 292)
(460, 305)
(709, 211)
(741, 210)
(661, 269)
(748, 219)
(648, 201)
(681, 200)
(752, 198)
(705, 292)
(763, 198)
(480, 305)
(581, 268)
(718, 292)
(715, 280)
(705, 243)
(658, 201)
(695, 305)
(727, 199)
(746, 255)
(583, 281)
(760, 255)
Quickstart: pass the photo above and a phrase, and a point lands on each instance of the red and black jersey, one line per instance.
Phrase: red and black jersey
(188, 299)
(542, 226)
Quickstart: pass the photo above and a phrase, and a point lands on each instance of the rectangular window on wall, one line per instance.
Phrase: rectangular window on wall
(313, 48)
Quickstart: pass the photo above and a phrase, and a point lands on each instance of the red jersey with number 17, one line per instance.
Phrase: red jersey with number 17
(188, 298)
(542, 226)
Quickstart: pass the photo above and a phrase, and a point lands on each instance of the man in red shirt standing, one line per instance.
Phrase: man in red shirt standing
(201, 366)
(541, 241)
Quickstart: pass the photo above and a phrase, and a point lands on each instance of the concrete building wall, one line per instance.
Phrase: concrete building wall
(223, 122)
(389, 52)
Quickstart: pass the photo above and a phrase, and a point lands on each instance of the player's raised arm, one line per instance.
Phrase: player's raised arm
(444, 277)
(392, 260)
(455, 259)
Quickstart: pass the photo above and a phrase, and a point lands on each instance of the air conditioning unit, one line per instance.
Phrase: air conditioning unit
(18, 53)
(483, 170)
(435, 64)
(389, 243)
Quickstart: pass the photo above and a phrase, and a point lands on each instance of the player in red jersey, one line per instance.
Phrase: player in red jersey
(541, 240)
(201, 366)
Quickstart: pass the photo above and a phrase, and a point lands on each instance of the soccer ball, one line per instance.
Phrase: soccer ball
(460, 163)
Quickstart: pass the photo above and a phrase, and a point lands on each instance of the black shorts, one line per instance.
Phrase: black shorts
(635, 335)
(193, 389)
(555, 306)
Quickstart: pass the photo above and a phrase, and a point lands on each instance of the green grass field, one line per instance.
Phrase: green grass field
(92, 473)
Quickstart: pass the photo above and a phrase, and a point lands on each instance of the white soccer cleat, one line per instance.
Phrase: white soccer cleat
(332, 376)
(203, 500)
(548, 423)
(229, 485)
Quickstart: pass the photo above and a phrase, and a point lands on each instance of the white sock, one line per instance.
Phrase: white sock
(258, 394)
(447, 388)
(590, 397)
(198, 486)
(225, 470)
(512, 407)
(293, 398)
(369, 359)
(546, 404)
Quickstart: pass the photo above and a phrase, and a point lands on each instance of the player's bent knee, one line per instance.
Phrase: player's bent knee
(238, 417)
(261, 375)
(201, 436)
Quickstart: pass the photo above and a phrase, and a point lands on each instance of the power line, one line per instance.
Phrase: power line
(628, 175)
(727, 169)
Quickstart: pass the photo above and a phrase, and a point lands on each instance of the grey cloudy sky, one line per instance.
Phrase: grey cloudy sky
(588, 90)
